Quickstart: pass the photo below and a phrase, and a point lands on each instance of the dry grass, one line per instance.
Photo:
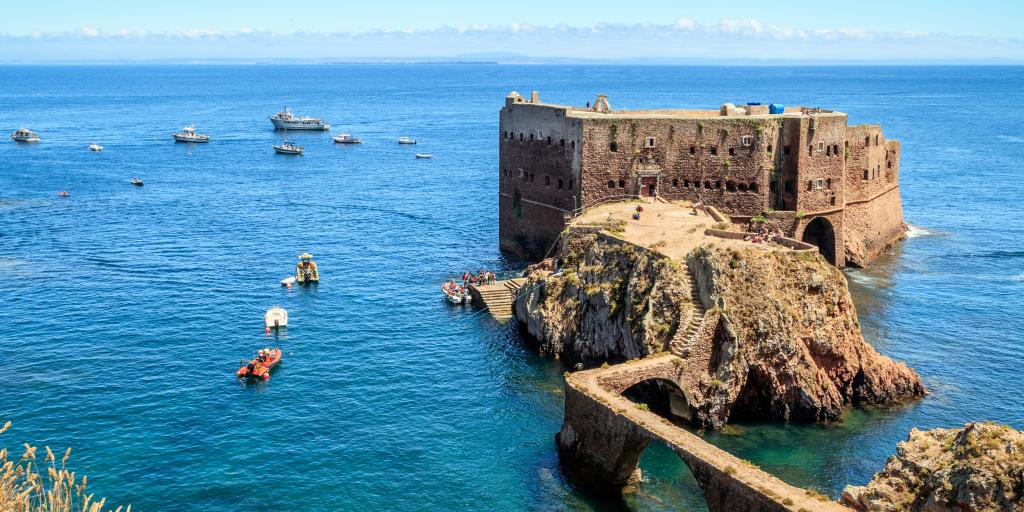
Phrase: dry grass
(29, 486)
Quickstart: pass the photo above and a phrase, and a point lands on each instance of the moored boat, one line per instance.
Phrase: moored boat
(285, 120)
(188, 134)
(287, 148)
(137, 182)
(455, 293)
(24, 135)
(406, 140)
(95, 147)
(275, 318)
(306, 271)
(345, 138)
(424, 155)
(63, 193)
(259, 367)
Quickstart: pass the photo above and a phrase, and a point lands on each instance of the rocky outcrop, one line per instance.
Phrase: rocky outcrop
(787, 345)
(780, 340)
(612, 302)
(979, 467)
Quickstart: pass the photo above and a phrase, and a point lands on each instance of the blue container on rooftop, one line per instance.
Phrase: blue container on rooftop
(752, 103)
(776, 108)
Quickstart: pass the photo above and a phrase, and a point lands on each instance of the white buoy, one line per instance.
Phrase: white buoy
(288, 281)
(276, 318)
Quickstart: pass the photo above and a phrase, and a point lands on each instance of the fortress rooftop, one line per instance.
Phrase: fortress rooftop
(601, 109)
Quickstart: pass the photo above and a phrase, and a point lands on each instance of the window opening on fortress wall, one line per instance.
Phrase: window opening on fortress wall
(810, 150)
(832, 201)
(611, 183)
(693, 150)
(559, 184)
(876, 139)
(572, 144)
(547, 181)
(622, 183)
(675, 182)
(828, 183)
(696, 184)
(821, 146)
(785, 150)
(753, 187)
(743, 187)
(732, 151)
(570, 183)
(562, 142)
(549, 140)
(522, 174)
(730, 186)
(531, 137)
(613, 147)
(649, 143)
(867, 141)
(531, 177)
(504, 134)
(714, 150)
(520, 136)
(707, 184)
(865, 174)
(835, 149)
(816, 184)
(828, 151)
(747, 140)
(769, 148)
(888, 164)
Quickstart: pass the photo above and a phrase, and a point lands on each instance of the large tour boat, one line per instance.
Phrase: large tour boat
(285, 120)
(188, 134)
(25, 135)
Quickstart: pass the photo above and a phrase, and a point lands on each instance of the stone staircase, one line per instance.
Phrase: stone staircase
(499, 297)
(686, 337)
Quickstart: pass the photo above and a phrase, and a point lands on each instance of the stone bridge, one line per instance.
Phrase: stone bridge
(604, 434)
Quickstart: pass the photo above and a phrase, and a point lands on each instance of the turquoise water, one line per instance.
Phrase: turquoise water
(128, 309)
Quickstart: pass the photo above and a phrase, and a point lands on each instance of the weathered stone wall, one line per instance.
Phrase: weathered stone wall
(725, 162)
(820, 158)
(871, 227)
(538, 175)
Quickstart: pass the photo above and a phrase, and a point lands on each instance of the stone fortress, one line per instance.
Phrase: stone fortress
(819, 179)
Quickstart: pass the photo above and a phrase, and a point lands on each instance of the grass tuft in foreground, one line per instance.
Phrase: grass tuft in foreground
(29, 486)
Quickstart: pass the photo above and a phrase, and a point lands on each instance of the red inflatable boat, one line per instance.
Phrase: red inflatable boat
(257, 370)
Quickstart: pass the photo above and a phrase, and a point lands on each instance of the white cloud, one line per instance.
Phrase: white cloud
(90, 32)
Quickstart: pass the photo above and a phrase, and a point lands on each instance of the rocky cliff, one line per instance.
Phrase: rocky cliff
(780, 340)
(612, 302)
(787, 343)
(979, 467)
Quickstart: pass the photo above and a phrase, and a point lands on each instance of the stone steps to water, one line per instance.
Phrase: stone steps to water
(499, 297)
(694, 323)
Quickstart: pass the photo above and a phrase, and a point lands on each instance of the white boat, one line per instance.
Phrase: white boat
(285, 120)
(344, 138)
(25, 135)
(188, 134)
(424, 155)
(288, 281)
(287, 148)
(137, 182)
(275, 318)
(406, 140)
(95, 147)
(456, 294)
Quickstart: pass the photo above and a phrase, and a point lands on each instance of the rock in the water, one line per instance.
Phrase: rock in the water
(979, 467)
(780, 339)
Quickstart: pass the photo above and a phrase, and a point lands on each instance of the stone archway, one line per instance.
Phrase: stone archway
(664, 397)
(819, 232)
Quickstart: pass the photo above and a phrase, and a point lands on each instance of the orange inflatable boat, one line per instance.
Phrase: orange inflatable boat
(260, 370)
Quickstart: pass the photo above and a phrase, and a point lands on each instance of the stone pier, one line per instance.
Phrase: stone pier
(604, 435)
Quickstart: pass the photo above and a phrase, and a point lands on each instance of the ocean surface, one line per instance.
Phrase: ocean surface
(127, 310)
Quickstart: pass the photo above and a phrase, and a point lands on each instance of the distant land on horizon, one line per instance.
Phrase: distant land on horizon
(505, 58)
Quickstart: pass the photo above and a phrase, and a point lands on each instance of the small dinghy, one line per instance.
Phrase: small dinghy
(288, 281)
(63, 193)
(260, 366)
(456, 294)
(137, 182)
(275, 318)
(95, 147)
(424, 155)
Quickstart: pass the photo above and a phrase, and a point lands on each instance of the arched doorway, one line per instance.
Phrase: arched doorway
(820, 233)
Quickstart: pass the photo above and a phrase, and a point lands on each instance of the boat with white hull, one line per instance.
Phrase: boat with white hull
(25, 135)
(188, 134)
(285, 120)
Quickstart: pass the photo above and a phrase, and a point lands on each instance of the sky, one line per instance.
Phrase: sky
(859, 30)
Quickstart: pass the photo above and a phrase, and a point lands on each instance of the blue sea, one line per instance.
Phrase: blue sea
(126, 310)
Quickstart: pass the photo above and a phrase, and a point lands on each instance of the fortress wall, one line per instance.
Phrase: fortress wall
(538, 176)
(873, 163)
(871, 227)
(820, 157)
(698, 160)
